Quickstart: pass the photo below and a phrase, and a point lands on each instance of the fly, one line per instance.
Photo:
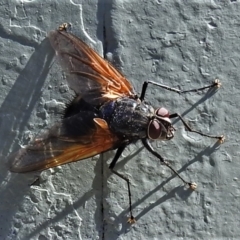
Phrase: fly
(105, 114)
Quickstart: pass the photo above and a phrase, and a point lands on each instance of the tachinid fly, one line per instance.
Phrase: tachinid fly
(105, 114)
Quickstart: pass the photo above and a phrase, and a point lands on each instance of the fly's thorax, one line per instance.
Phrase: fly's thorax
(128, 117)
(160, 126)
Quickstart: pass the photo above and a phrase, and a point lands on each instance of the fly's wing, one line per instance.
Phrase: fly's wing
(88, 74)
(64, 143)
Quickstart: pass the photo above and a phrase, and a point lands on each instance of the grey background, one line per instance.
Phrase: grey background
(184, 44)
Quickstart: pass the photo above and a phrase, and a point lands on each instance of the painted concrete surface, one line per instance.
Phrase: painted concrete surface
(177, 43)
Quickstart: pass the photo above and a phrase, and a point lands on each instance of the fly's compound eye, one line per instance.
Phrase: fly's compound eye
(154, 129)
(162, 112)
(160, 127)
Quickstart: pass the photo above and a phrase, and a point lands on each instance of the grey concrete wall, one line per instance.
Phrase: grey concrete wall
(183, 44)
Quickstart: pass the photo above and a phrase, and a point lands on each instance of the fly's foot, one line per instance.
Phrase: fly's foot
(217, 83)
(64, 26)
(221, 139)
(131, 220)
(192, 186)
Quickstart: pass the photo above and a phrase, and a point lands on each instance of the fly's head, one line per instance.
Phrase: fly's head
(160, 126)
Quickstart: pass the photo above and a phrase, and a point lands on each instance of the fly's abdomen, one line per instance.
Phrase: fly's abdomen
(127, 117)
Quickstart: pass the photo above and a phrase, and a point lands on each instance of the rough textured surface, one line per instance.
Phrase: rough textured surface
(179, 43)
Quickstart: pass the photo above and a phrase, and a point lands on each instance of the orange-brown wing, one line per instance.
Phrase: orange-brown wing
(56, 148)
(88, 74)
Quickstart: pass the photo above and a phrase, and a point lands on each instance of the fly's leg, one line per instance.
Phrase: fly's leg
(216, 83)
(149, 147)
(111, 166)
(36, 182)
(174, 115)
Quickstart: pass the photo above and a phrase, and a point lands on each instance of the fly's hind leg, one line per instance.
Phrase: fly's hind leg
(111, 166)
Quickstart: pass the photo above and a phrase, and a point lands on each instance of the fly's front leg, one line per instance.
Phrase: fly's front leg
(111, 166)
(149, 147)
(216, 83)
(174, 115)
